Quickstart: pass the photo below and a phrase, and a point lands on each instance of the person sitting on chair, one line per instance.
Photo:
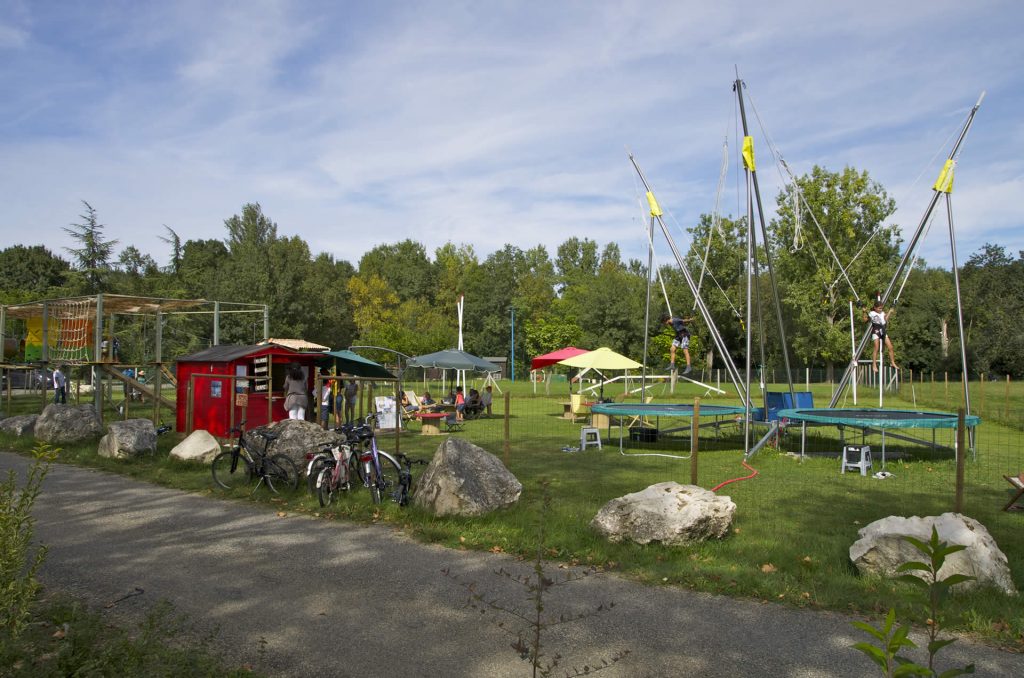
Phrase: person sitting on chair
(473, 404)
(407, 405)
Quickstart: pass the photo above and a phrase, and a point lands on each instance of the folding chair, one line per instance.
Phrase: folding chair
(452, 424)
(1018, 484)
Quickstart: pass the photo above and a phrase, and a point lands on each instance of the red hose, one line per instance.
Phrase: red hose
(733, 480)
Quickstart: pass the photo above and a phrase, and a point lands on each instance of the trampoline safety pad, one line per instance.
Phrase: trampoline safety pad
(867, 417)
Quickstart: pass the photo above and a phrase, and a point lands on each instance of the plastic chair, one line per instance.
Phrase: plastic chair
(1018, 484)
(860, 453)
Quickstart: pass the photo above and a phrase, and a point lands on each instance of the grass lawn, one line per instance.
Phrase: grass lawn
(793, 526)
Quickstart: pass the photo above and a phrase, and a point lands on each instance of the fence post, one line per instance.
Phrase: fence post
(958, 504)
(694, 444)
(508, 415)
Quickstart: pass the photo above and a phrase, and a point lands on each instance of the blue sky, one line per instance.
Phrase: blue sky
(360, 123)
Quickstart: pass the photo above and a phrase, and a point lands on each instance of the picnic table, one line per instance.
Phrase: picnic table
(430, 422)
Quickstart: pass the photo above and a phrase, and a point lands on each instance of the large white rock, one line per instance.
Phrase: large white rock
(881, 549)
(19, 425)
(466, 480)
(199, 446)
(669, 513)
(128, 438)
(61, 423)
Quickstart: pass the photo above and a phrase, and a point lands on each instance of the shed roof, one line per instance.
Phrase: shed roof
(228, 352)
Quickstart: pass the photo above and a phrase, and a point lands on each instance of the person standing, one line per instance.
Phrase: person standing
(351, 397)
(326, 400)
(295, 399)
(460, 404)
(485, 399)
(60, 386)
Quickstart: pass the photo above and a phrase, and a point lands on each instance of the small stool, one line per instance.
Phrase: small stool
(862, 454)
(590, 436)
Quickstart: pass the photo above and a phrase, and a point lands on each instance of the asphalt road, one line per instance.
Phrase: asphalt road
(297, 596)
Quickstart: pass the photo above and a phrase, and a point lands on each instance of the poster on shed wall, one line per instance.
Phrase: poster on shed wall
(387, 413)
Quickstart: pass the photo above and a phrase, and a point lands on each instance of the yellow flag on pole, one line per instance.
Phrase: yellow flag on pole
(748, 153)
(944, 184)
(655, 208)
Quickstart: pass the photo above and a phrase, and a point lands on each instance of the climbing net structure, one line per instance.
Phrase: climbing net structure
(73, 319)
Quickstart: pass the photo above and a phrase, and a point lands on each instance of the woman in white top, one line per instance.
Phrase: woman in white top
(879, 324)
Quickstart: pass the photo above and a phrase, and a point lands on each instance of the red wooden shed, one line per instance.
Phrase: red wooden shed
(223, 385)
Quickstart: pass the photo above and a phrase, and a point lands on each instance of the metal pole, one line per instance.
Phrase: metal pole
(959, 307)
(731, 368)
(97, 387)
(216, 323)
(512, 348)
(767, 253)
(266, 323)
(853, 354)
(750, 310)
(647, 306)
(910, 247)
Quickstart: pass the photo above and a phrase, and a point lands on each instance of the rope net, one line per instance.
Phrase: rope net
(74, 325)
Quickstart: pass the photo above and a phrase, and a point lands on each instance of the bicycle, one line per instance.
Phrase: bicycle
(315, 461)
(378, 470)
(405, 484)
(238, 466)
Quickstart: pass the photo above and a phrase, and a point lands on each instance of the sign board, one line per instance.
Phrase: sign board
(387, 413)
(241, 399)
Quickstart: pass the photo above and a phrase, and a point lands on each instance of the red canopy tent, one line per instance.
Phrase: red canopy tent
(547, 359)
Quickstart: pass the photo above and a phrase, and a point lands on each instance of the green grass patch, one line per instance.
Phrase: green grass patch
(793, 526)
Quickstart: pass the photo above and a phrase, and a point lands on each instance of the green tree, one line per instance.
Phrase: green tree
(174, 241)
(925, 327)
(851, 209)
(404, 266)
(992, 286)
(30, 272)
(94, 251)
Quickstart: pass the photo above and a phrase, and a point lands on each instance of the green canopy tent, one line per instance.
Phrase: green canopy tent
(347, 362)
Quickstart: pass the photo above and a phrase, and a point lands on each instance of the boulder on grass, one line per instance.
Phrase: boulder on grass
(68, 424)
(296, 438)
(199, 446)
(128, 438)
(881, 549)
(20, 425)
(465, 480)
(669, 513)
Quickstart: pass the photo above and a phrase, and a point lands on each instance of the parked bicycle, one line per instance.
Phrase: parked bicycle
(238, 466)
(315, 461)
(405, 484)
(377, 469)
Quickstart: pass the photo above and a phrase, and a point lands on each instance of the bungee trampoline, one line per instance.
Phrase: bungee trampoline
(639, 412)
(871, 420)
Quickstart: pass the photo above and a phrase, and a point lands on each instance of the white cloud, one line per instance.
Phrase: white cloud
(360, 123)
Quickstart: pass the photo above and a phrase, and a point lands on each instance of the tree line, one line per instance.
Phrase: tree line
(830, 243)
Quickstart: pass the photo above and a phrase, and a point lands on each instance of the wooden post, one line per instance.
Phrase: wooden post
(694, 437)
(508, 416)
(270, 389)
(399, 411)
(961, 429)
(189, 405)
(945, 377)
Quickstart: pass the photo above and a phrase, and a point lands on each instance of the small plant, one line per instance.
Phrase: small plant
(530, 621)
(18, 562)
(892, 640)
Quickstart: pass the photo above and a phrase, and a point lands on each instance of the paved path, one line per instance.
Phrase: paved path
(335, 599)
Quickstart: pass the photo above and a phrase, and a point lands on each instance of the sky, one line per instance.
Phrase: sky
(355, 124)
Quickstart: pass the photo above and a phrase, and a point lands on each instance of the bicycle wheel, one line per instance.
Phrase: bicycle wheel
(315, 467)
(282, 474)
(384, 485)
(230, 470)
(326, 488)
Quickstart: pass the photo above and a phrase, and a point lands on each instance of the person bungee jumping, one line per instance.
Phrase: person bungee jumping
(879, 320)
(681, 339)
